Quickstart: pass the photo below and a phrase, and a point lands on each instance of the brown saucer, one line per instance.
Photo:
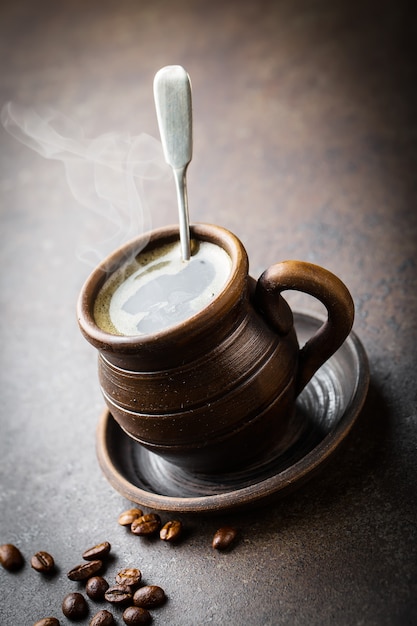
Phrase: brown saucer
(326, 411)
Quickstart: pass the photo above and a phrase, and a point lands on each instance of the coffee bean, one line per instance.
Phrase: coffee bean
(102, 618)
(224, 538)
(146, 524)
(100, 551)
(149, 597)
(43, 562)
(129, 576)
(135, 616)
(47, 621)
(85, 570)
(171, 531)
(74, 606)
(119, 594)
(10, 557)
(96, 587)
(127, 517)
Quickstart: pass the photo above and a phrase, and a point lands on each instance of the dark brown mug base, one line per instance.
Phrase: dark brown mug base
(325, 413)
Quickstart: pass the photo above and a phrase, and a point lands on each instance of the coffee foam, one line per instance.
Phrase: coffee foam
(158, 289)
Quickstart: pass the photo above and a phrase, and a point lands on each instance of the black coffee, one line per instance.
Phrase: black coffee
(158, 289)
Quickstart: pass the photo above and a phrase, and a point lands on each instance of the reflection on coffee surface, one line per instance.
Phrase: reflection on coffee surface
(158, 289)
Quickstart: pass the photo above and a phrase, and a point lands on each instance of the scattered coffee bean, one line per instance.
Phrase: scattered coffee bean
(127, 517)
(146, 524)
(171, 531)
(102, 618)
(85, 570)
(135, 616)
(96, 587)
(149, 597)
(74, 606)
(100, 551)
(129, 576)
(118, 594)
(224, 538)
(47, 621)
(10, 557)
(43, 562)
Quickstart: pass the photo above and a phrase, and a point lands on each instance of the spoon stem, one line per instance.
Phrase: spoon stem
(184, 221)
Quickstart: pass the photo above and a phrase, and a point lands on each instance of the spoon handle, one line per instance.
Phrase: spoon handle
(172, 94)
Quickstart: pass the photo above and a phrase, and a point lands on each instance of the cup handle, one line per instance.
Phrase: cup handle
(323, 285)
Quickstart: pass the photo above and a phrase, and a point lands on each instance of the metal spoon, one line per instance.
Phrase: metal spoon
(172, 93)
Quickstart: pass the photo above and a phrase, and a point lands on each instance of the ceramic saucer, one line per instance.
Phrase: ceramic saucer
(326, 411)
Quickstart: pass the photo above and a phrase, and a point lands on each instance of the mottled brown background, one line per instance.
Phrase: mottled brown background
(305, 146)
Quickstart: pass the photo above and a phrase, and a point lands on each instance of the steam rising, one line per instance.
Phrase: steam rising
(106, 175)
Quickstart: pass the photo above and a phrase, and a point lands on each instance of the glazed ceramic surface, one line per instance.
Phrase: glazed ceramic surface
(217, 390)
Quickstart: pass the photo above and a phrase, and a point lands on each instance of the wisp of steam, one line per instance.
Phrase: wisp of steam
(106, 174)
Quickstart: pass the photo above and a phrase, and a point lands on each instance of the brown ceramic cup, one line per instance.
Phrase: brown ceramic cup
(216, 391)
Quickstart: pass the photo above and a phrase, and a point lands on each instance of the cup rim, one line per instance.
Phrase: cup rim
(229, 295)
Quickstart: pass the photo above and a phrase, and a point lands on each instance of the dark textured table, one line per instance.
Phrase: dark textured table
(305, 146)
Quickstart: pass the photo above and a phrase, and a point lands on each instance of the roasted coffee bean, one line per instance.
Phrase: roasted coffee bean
(149, 597)
(102, 618)
(146, 524)
(96, 587)
(10, 557)
(118, 594)
(100, 551)
(127, 517)
(171, 531)
(224, 538)
(47, 621)
(135, 616)
(74, 606)
(129, 576)
(43, 562)
(85, 570)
